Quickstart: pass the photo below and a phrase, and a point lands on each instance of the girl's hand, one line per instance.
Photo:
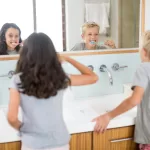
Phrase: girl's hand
(110, 43)
(62, 58)
(101, 123)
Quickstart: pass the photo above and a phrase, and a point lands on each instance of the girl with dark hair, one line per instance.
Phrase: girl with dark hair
(38, 87)
(10, 39)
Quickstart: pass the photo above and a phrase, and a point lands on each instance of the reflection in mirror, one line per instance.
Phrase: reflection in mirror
(117, 20)
(16, 24)
(10, 39)
(35, 16)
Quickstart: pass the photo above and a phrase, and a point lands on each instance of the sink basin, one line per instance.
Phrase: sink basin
(81, 114)
(100, 105)
(101, 109)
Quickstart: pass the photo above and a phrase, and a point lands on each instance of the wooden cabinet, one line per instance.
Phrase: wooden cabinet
(115, 139)
(81, 141)
(112, 139)
(11, 146)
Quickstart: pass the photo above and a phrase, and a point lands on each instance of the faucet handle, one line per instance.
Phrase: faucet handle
(102, 68)
(9, 74)
(116, 67)
(91, 67)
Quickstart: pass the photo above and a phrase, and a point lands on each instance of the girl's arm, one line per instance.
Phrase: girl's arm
(103, 121)
(87, 76)
(14, 109)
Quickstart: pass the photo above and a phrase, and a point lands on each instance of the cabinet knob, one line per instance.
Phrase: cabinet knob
(91, 67)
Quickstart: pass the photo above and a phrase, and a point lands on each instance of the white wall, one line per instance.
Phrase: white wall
(49, 20)
(74, 21)
(147, 13)
(19, 12)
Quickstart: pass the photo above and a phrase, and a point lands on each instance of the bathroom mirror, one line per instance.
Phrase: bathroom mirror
(17, 13)
(121, 18)
(119, 21)
(35, 16)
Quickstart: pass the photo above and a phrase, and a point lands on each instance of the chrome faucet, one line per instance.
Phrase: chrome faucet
(116, 67)
(103, 68)
(9, 74)
(91, 67)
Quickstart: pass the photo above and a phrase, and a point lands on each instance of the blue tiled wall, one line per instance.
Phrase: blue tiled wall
(102, 87)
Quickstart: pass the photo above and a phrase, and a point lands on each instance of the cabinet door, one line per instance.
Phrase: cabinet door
(11, 146)
(81, 141)
(115, 139)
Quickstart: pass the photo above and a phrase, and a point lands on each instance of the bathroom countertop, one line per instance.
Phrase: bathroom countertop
(83, 111)
(78, 115)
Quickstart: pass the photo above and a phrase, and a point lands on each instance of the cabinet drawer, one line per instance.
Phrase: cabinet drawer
(115, 139)
(122, 133)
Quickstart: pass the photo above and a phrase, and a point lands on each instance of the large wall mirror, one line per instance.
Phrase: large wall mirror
(119, 20)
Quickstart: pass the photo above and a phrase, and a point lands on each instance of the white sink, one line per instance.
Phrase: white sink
(84, 114)
(101, 110)
(85, 111)
(106, 104)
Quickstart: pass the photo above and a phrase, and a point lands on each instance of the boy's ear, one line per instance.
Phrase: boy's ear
(82, 36)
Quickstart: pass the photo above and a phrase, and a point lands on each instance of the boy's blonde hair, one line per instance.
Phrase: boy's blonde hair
(146, 42)
(87, 25)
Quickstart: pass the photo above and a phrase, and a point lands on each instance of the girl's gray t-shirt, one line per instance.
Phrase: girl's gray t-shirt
(43, 124)
(142, 125)
(12, 52)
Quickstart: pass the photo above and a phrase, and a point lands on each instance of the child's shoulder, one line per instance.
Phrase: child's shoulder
(14, 81)
(144, 68)
(144, 65)
(16, 77)
(78, 46)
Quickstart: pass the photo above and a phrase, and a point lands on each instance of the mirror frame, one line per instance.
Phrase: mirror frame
(142, 16)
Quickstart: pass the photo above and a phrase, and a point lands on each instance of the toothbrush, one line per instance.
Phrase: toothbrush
(17, 44)
(92, 42)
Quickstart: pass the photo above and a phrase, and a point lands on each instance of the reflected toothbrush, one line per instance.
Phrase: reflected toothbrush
(16, 44)
(93, 42)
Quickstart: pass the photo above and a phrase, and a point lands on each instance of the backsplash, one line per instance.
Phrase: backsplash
(5, 66)
(102, 87)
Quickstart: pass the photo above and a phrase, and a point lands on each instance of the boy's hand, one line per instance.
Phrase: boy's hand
(101, 123)
(110, 43)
